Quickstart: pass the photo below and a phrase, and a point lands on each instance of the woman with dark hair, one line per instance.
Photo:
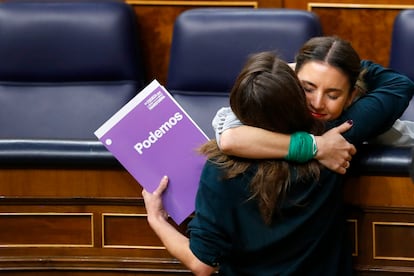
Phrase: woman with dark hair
(339, 87)
(267, 216)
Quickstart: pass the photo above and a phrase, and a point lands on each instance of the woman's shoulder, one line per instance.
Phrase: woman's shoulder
(214, 179)
(371, 66)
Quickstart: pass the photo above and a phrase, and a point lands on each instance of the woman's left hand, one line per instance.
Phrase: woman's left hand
(153, 201)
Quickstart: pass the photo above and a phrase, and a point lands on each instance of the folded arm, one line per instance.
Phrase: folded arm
(251, 142)
(389, 94)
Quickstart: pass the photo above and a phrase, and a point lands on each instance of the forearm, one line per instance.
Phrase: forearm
(249, 142)
(389, 93)
(256, 143)
(178, 246)
(252, 142)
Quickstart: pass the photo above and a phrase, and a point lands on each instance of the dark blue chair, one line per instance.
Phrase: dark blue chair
(66, 67)
(402, 46)
(211, 45)
(393, 160)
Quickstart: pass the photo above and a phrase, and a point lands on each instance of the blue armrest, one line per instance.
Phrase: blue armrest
(55, 153)
(383, 161)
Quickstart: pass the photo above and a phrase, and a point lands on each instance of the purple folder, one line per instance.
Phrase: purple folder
(152, 136)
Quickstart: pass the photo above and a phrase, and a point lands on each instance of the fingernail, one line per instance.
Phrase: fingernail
(350, 122)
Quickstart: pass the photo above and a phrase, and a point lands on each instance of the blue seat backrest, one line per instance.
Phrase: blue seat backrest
(66, 66)
(402, 50)
(211, 45)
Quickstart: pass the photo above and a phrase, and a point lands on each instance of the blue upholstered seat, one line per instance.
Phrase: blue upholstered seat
(210, 46)
(402, 50)
(66, 67)
(392, 160)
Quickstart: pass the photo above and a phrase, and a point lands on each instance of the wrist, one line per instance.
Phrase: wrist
(319, 142)
(314, 146)
(155, 220)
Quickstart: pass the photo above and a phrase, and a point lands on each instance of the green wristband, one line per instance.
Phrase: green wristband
(302, 147)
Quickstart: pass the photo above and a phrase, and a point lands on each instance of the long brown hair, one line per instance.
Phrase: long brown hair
(267, 94)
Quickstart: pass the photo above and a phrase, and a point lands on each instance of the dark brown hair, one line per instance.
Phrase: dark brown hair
(267, 94)
(336, 52)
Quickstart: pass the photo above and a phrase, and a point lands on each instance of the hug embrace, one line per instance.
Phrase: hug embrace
(270, 197)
